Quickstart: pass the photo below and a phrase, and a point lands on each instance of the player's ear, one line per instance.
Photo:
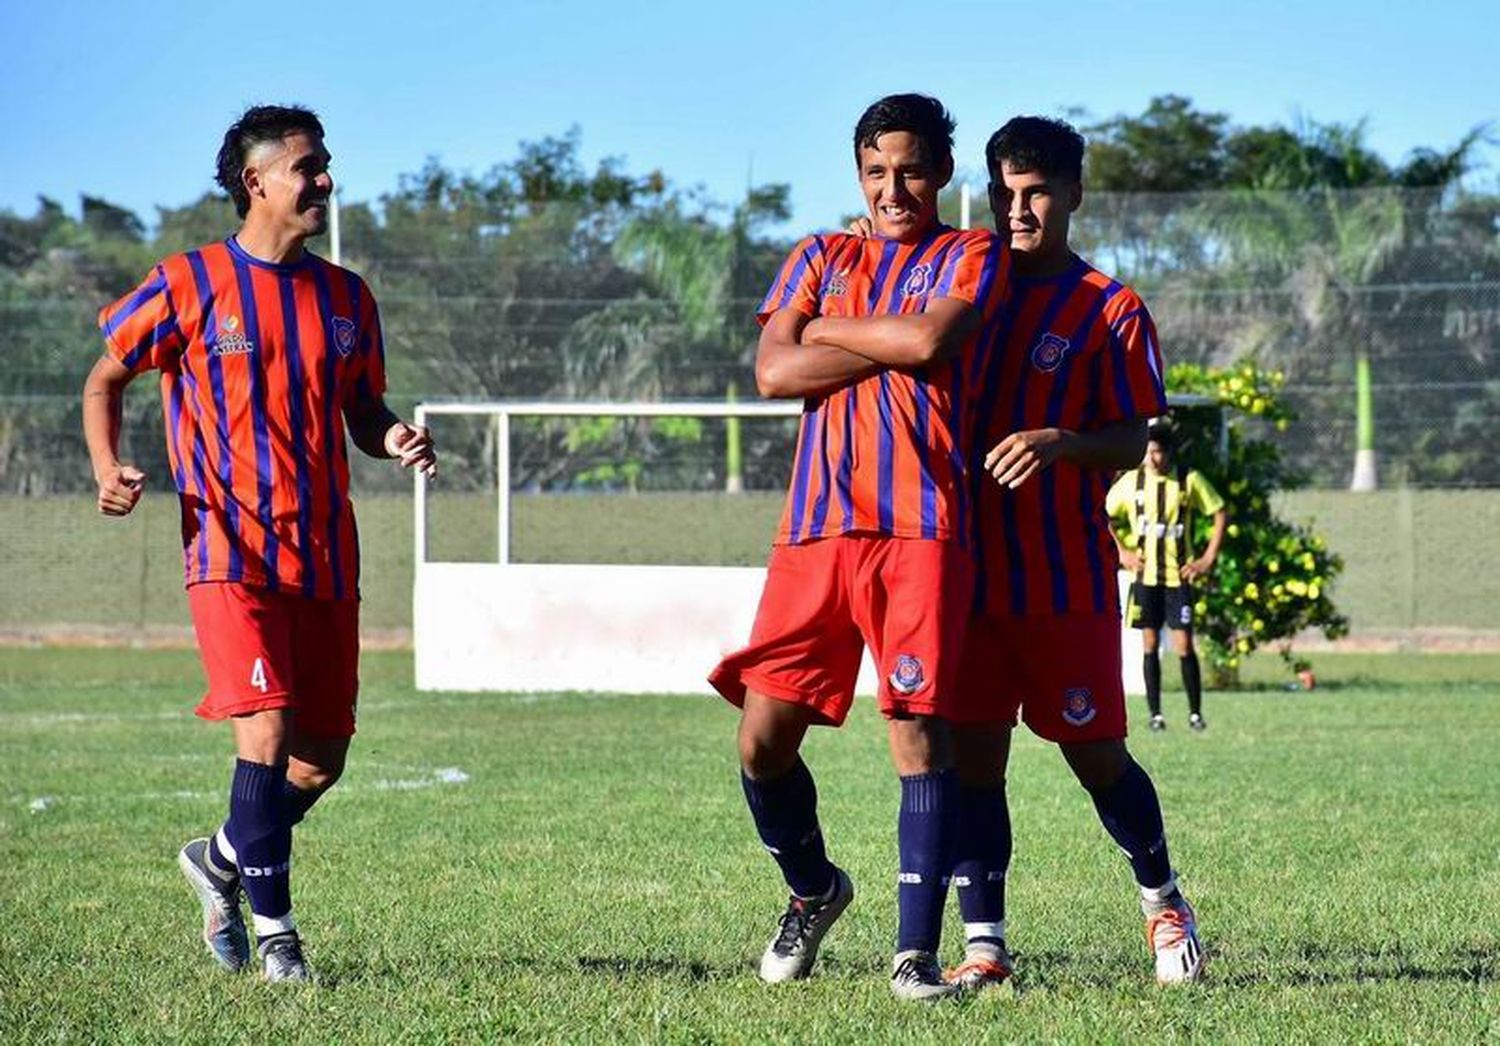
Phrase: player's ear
(250, 178)
(1075, 196)
(945, 172)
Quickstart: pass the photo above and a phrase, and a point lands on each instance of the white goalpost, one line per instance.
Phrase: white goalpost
(500, 625)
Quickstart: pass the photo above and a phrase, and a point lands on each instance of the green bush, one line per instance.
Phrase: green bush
(1273, 578)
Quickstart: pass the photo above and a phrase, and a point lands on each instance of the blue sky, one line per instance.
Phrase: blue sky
(129, 101)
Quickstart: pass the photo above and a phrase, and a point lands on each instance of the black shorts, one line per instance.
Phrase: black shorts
(1151, 606)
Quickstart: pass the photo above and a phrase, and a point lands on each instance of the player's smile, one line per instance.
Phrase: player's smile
(900, 185)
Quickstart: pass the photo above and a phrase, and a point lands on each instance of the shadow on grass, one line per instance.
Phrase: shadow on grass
(1306, 964)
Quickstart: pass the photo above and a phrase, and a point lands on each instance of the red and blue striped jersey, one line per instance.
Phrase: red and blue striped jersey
(886, 455)
(1074, 351)
(258, 361)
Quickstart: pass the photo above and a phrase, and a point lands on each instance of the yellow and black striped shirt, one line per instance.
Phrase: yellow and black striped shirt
(1159, 508)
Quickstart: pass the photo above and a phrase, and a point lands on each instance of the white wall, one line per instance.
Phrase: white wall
(623, 629)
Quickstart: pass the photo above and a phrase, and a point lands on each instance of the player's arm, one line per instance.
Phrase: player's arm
(1204, 563)
(788, 367)
(909, 340)
(1021, 455)
(120, 485)
(1116, 505)
(378, 432)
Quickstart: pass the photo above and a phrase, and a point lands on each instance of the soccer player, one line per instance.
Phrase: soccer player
(881, 338)
(266, 353)
(1066, 396)
(1159, 499)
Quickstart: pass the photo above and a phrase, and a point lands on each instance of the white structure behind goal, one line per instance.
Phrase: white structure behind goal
(595, 627)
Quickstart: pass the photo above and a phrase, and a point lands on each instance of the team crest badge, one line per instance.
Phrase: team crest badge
(908, 677)
(231, 340)
(1078, 705)
(343, 335)
(918, 281)
(1050, 352)
(838, 285)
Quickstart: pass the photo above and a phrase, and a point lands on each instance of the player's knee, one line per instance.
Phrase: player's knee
(1098, 765)
(980, 754)
(765, 754)
(1149, 641)
(315, 777)
(1182, 642)
(920, 745)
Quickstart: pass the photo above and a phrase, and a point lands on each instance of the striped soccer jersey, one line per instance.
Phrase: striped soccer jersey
(258, 361)
(1160, 509)
(1076, 351)
(886, 455)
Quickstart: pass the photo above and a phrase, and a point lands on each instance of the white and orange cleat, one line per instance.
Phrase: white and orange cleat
(982, 968)
(1172, 934)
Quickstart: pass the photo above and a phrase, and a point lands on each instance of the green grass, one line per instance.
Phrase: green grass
(1410, 557)
(597, 878)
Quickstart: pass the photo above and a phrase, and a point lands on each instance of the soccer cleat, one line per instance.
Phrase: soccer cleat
(223, 924)
(281, 958)
(1158, 722)
(1172, 934)
(984, 967)
(1195, 721)
(917, 977)
(794, 949)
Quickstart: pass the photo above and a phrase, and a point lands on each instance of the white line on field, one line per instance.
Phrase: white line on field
(447, 775)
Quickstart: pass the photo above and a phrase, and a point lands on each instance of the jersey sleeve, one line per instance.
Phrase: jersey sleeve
(976, 270)
(1130, 378)
(1205, 497)
(141, 330)
(799, 282)
(366, 379)
(1117, 502)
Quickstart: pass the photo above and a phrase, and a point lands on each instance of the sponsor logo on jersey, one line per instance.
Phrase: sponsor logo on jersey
(232, 340)
(908, 677)
(838, 285)
(918, 281)
(1078, 705)
(343, 335)
(1049, 352)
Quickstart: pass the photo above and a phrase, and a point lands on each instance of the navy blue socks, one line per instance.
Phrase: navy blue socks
(261, 839)
(785, 809)
(1192, 681)
(1151, 668)
(1131, 813)
(926, 832)
(982, 853)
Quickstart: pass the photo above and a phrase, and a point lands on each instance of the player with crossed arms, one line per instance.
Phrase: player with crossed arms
(266, 354)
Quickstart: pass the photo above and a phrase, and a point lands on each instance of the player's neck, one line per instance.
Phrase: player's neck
(270, 244)
(1035, 265)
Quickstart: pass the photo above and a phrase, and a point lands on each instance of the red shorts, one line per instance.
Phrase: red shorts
(264, 650)
(907, 599)
(1060, 672)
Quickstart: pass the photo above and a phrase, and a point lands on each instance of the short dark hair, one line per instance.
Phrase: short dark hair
(256, 126)
(1036, 143)
(1162, 435)
(917, 114)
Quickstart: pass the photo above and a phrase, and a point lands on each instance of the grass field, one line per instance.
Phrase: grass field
(581, 868)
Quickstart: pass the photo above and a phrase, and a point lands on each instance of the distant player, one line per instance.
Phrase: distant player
(1066, 396)
(266, 353)
(882, 338)
(1159, 499)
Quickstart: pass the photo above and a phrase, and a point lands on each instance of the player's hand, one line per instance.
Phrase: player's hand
(1131, 560)
(120, 488)
(862, 227)
(413, 446)
(1021, 455)
(1196, 568)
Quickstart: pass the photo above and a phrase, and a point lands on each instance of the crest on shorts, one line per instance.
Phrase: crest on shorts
(1049, 353)
(918, 280)
(1078, 706)
(343, 335)
(908, 676)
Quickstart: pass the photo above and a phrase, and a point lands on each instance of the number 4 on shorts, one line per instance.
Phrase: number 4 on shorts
(258, 675)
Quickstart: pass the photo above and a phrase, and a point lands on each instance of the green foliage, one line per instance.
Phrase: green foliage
(1273, 578)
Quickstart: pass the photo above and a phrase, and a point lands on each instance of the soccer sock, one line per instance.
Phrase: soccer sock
(1131, 814)
(1192, 681)
(295, 802)
(1152, 667)
(926, 833)
(221, 858)
(982, 852)
(262, 842)
(785, 809)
